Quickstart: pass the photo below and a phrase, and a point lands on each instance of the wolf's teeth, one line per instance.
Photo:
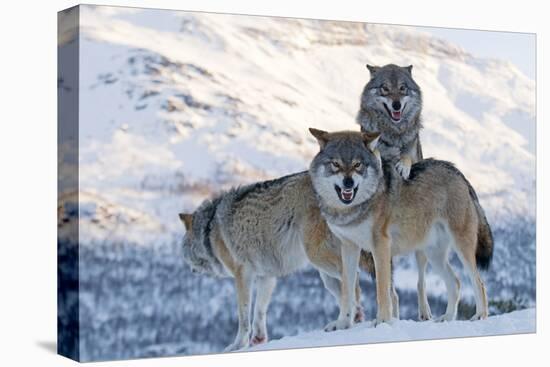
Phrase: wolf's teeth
(347, 194)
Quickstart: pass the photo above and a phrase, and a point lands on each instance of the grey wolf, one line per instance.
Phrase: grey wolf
(391, 104)
(369, 207)
(257, 233)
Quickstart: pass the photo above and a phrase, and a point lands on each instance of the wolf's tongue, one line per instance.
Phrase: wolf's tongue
(396, 115)
(347, 195)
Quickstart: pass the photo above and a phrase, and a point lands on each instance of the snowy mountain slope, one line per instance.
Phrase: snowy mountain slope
(220, 100)
(518, 322)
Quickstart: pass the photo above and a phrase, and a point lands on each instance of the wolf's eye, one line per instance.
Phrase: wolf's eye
(357, 165)
(403, 89)
(384, 89)
(335, 165)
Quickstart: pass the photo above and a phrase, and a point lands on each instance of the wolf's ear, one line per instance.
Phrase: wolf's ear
(373, 69)
(320, 135)
(371, 140)
(186, 219)
(409, 69)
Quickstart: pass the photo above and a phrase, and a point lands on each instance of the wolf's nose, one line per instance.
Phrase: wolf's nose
(396, 105)
(348, 182)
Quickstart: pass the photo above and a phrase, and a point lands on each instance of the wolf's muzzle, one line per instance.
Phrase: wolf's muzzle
(347, 194)
(395, 111)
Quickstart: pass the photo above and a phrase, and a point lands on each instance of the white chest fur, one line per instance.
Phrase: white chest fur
(359, 234)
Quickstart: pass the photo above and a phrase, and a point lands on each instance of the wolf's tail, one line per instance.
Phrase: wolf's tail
(485, 243)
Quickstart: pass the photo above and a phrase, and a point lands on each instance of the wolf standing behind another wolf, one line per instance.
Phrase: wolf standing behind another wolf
(391, 105)
(369, 209)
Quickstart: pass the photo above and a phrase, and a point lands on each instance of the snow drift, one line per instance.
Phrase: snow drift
(518, 322)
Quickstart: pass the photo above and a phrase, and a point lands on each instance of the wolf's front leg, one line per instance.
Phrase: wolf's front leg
(334, 287)
(243, 282)
(350, 263)
(382, 262)
(264, 289)
(403, 166)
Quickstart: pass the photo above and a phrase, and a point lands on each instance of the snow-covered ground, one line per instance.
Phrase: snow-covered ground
(517, 322)
(176, 106)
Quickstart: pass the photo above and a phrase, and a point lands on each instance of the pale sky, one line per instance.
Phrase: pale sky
(518, 48)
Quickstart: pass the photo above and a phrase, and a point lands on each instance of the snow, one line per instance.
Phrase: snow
(517, 322)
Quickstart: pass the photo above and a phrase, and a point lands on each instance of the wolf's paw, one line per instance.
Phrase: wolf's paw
(479, 316)
(236, 345)
(339, 324)
(445, 318)
(403, 167)
(258, 339)
(424, 316)
(259, 333)
(382, 320)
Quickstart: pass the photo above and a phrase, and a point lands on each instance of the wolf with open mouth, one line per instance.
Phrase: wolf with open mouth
(370, 208)
(391, 104)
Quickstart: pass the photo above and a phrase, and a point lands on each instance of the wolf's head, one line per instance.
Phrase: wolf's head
(197, 249)
(393, 93)
(347, 170)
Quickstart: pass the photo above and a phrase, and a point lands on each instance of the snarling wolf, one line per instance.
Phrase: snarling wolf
(259, 232)
(369, 207)
(391, 104)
